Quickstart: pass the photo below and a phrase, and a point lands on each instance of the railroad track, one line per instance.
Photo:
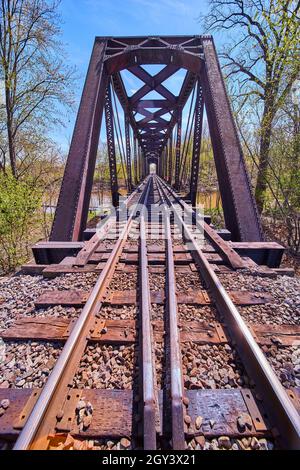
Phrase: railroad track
(276, 400)
(165, 403)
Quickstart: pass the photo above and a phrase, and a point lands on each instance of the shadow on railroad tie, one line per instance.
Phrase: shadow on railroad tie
(137, 387)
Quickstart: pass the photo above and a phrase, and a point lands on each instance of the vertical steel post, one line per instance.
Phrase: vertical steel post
(111, 147)
(161, 165)
(143, 164)
(196, 145)
(128, 151)
(74, 197)
(238, 203)
(139, 163)
(166, 163)
(146, 167)
(178, 150)
(170, 158)
(136, 179)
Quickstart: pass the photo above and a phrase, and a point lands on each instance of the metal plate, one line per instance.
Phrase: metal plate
(112, 414)
(69, 411)
(18, 399)
(219, 410)
(254, 412)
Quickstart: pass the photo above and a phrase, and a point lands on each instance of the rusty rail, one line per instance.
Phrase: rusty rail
(275, 399)
(42, 419)
(226, 251)
(149, 385)
(178, 440)
(91, 246)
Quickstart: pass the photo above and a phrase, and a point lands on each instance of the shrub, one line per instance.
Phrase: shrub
(19, 211)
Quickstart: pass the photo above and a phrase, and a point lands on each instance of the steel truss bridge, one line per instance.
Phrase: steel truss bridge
(154, 129)
(159, 401)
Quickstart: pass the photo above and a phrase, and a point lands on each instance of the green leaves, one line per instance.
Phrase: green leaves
(261, 60)
(20, 202)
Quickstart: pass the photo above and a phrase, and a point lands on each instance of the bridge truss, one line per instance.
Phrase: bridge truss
(154, 129)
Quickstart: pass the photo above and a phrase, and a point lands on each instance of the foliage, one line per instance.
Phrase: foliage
(261, 60)
(19, 213)
(36, 80)
(217, 217)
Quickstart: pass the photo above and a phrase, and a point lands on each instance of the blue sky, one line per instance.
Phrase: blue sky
(85, 19)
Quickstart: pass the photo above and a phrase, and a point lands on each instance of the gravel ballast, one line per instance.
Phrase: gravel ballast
(107, 367)
(28, 364)
(212, 366)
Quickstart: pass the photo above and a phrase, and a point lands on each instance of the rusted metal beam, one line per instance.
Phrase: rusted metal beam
(238, 203)
(186, 89)
(178, 150)
(155, 103)
(170, 167)
(74, 197)
(196, 146)
(223, 247)
(267, 253)
(120, 91)
(177, 407)
(150, 401)
(128, 153)
(198, 57)
(111, 148)
(135, 161)
(153, 83)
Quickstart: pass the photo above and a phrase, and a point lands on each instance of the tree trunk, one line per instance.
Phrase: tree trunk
(10, 138)
(265, 140)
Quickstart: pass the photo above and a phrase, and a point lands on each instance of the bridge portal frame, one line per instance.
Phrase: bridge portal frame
(196, 54)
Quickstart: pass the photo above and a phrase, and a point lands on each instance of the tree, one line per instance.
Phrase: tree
(262, 58)
(282, 201)
(19, 204)
(36, 79)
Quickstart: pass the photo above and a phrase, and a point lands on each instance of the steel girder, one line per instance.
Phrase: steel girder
(111, 147)
(128, 153)
(178, 151)
(170, 159)
(196, 145)
(165, 162)
(73, 202)
(239, 206)
(195, 54)
(135, 162)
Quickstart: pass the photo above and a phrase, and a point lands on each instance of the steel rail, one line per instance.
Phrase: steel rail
(228, 253)
(275, 399)
(35, 432)
(178, 439)
(149, 388)
(86, 252)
